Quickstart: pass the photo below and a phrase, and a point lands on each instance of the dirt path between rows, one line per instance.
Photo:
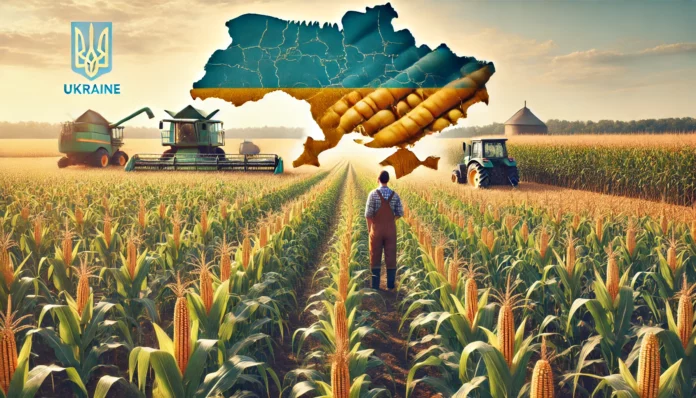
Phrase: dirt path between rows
(285, 358)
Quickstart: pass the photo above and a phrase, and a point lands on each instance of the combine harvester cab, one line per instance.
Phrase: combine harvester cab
(195, 143)
(92, 140)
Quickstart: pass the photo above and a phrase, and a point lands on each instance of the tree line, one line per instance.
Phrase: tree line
(567, 127)
(52, 130)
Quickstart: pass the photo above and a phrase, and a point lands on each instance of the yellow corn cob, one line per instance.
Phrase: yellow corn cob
(246, 251)
(612, 275)
(49, 207)
(206, 286)
(631, 238)
(506, 324)
(542, 376)
(664, 223)
(8, 346)
(470, 227)
(440, 259)
(649, 367)
(223, 209)
(142, 213)
(341, 327)
(506, 333)
(79, 217)
(685, 313)
(38, 227)
(482, 208)
(83, 290)
(182, 326)
(543, 243)
(471, 298)
(67, 244)
(672, 255)
(278, 224)
(496, 214)
(490, 240)
(599, 227)
(524, 231)
(105, 204)
(6, 266)
(343, 276)
(559, 215)
(24, 213)
(107, 229)
(453, 273)
(263, 235)
(204, 219)
(162, 211)
(176, 229)
(224, 250)
(693, 230)
(576, 222)
(131, 256)
(340, 375)
(570, 254)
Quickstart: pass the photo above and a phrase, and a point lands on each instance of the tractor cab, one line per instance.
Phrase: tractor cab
(486, 162)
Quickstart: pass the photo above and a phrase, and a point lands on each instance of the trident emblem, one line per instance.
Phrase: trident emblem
(89, 58)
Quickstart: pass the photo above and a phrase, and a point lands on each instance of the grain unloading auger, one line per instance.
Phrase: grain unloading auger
(195, 143)
(92, 140)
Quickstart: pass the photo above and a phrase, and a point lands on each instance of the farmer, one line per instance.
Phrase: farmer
(382, 210)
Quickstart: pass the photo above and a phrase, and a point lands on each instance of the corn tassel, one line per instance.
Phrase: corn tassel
(542, 376)
(649, 367)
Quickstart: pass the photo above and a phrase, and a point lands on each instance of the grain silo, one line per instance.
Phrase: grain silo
(525, 122)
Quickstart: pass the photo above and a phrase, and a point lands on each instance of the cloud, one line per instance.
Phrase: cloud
(595, 56)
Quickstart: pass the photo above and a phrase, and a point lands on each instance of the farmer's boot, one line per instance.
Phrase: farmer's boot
(391, 275)
(376, 277)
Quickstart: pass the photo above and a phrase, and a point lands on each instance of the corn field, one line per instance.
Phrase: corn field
(655, 172)
(197, 286)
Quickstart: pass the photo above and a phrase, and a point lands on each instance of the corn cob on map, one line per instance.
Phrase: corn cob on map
(365, 78)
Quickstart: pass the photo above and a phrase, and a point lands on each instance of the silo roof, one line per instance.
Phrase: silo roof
(525, 117)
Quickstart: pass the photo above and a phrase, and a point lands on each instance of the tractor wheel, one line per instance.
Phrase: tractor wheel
(478, 176)
(457, 177)
(513, 176)
(64, 162)
(101, 158)
(119, 159)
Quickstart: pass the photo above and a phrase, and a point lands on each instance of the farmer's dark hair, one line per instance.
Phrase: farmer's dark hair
(384, 177)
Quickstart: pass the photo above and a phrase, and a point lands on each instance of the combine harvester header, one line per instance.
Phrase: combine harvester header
(195, 143)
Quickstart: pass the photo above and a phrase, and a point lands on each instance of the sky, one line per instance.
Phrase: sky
(574, 60)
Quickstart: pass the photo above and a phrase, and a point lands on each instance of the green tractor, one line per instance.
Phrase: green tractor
(195, 143)
(92, 140)
(486, 163)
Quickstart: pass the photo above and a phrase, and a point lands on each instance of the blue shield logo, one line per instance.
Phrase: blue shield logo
(91, 48)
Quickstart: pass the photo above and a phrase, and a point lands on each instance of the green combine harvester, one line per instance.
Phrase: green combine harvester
(195, 143)
(92, 140)
(486, 163)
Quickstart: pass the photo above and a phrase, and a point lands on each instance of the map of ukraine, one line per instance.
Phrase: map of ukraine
(366, 78)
